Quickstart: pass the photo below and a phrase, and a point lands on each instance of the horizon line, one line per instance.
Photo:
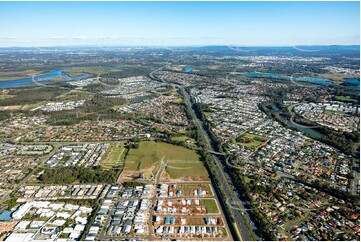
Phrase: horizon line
(170, 46)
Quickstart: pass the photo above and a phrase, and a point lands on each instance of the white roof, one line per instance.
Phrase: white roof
(22, 224)
(19, 237)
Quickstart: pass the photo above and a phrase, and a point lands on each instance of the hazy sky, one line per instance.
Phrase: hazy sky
(179, 23)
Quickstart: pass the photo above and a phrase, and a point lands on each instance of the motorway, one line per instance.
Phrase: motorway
(240, 214)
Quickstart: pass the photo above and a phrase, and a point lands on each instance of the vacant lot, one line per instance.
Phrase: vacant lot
(251, 141)
(179, 169)
(112, 157)
(149, 153)
(188, 189)
(210, 205)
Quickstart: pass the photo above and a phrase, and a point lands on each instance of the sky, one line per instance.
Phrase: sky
(179, 23)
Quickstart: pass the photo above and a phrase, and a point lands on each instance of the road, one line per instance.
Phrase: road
(240, 214)
(355, 182)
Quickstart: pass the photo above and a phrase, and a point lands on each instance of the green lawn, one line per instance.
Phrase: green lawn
(180, 138)
(178, 101)
(329, 112)
(189, 141)
(247, 180)
(344, 98)
(181, 169)
(150, 152)
(210, 204)
(251, 141)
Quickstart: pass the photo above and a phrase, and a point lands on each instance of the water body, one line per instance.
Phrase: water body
(44, 79)
(314, 80)
(275, 108)
(26, 82)
(5, 215)
(188, 69)
(260, 74)
(354, 83)
(309, 131)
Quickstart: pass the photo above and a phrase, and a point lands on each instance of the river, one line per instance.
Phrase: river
(309, 131)
(44, 79)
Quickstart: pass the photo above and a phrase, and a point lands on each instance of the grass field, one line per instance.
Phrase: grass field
(251, 141)
(112, 157)
(329, 112)
(210, 205)
(338, 78)
(74, 95)
(344, 98)
(188, 189)
(15, 75)
(181, 138)
(5, 96)
(150, 152)
(77, 71)
(11, 108)
(186, 169)
(247, 180)
(189, 141)
(178, 101)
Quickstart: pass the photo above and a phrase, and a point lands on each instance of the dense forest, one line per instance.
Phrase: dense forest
(66, 175)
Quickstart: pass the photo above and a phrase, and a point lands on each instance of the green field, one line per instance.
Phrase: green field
(210, 204)
(183, 138)
(329, 112)
(77, 71)
(180, 138)
(178, 101)
(15, 75)
(344, 98)
(188, 189)
(74, 95)
(112, 156)
(251, 141)
(5, 96)
(149, 153)
(187, 169)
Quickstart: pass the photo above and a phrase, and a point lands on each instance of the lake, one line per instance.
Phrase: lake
(188, 69)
